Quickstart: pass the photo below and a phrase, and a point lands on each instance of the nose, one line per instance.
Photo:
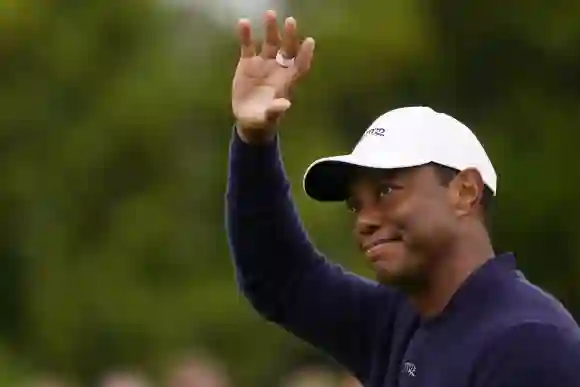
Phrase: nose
(367, 223)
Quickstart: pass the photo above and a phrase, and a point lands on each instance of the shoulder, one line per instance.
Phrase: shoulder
(524, 304)
(531, 354)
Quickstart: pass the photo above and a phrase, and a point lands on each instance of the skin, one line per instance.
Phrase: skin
(261, 88)
(441, 239)
(431, 236)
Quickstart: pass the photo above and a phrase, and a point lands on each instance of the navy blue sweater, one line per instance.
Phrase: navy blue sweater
(498, 330)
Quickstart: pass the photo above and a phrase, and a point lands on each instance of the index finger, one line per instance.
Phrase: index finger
(247, 47)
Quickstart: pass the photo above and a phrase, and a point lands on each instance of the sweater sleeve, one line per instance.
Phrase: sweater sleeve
(281, 273)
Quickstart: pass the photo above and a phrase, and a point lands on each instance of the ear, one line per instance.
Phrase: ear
(467, 190)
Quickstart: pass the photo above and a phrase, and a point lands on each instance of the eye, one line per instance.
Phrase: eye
(352, 205)
(384, 190)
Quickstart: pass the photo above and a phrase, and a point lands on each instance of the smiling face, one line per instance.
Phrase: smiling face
(406, 222)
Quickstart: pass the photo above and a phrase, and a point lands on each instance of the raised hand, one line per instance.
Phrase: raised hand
(262, 82)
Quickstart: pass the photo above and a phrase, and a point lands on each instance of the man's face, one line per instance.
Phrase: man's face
(404, 223)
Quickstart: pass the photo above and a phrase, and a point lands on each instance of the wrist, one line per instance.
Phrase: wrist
(255, 135)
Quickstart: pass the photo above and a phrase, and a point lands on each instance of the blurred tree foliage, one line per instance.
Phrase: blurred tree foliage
(115, 124)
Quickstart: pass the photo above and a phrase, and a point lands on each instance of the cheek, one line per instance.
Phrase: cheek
(436, 228)
(424, 222)
(405, 213)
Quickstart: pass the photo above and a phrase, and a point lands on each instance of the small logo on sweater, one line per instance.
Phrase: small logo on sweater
(409, 369)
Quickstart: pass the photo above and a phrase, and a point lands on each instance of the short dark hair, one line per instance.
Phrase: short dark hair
(446, 174)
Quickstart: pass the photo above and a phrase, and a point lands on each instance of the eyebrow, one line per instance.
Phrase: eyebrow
(375, 177)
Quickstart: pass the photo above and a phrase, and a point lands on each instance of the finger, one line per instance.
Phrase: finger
(276, 109)
(290, 42)
(248, 49)
(272, 36)
(304, 58)
(287, 91)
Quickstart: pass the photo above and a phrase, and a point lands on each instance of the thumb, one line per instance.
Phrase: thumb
(277, 109)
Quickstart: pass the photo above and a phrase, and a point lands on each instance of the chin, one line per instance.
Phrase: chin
(389, 279)
(404, 280)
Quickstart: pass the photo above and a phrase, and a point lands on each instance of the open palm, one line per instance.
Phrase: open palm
(261, 86)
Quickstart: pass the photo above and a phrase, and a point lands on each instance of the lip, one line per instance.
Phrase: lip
(369, 247)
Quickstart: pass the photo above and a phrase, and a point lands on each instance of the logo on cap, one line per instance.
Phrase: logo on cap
(374, 132)
(377, 132)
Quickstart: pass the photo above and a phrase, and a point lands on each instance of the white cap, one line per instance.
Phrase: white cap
(401, 138)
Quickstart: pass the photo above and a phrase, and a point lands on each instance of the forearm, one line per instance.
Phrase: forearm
(266, 237)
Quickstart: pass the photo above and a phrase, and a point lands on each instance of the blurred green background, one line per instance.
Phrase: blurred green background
(115, 121)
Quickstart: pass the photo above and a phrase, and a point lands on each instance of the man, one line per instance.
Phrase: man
(445, 311)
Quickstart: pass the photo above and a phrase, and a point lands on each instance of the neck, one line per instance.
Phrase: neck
(449, 274)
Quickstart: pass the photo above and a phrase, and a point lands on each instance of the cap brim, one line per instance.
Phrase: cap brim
(328, 179)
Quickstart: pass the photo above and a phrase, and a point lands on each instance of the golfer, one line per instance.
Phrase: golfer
(446, 310)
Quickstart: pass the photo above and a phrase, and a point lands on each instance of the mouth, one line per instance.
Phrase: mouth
(369, 248)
